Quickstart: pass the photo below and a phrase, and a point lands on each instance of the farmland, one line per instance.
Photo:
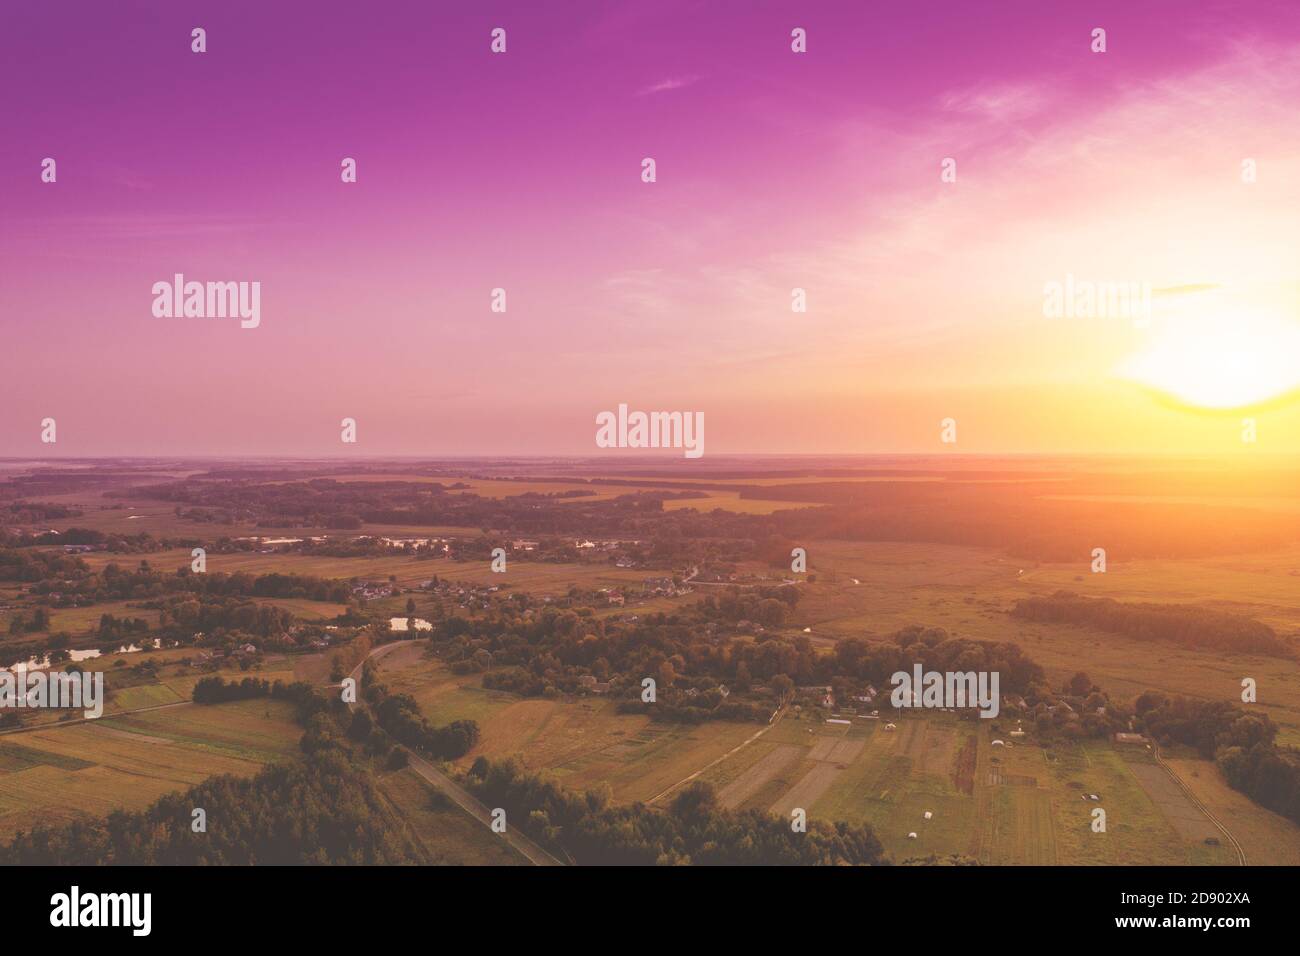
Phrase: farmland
(969, 591)
(56, 773)
(445, 834)
(1013, 803)
(1027, 800)
(585, 743)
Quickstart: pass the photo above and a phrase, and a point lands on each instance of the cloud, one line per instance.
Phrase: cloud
(671, 83)
(1001, 103)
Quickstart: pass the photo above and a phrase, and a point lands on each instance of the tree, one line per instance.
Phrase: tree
(361, 726)
(1079, 685)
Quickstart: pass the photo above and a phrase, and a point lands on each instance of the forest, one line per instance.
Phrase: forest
(1188, 625)
(1243, 744)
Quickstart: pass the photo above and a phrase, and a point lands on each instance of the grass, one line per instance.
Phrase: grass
(1022, 804)
(60, 773)
(969, 591)
(1025, 805)
(1266, 838)
(584, 743)
(445, 834)
(78, 621)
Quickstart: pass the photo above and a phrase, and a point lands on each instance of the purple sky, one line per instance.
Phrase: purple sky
(775, 170)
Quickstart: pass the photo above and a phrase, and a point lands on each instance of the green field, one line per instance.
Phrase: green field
(445, 834)
(1012, 804)
(1018, 804)
(968, 591)
(55, 774)
(533, 576)
(585, 744)
(1022, 803)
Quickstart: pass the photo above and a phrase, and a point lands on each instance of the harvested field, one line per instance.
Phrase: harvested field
(1192, 825)
(752, 780)
(829, 757)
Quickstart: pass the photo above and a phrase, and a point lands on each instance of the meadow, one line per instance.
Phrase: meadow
(969, 592)
(1016, 803)
(1013, 803)
(445, 834)
(56, 773)
(585, 743)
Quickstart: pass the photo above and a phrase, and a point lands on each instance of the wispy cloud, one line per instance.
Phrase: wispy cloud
(671, 83)
(999, 103)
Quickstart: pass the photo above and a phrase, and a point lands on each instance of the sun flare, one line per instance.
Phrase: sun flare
(1220, 362)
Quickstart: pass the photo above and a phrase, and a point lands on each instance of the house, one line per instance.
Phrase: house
(1123, 738)
(891, 726)
(998, 743)
(928, 814)
(912, 835)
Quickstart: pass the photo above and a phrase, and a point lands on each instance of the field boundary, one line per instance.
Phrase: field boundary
(772, 722)
(1187, 791)
(531, 851)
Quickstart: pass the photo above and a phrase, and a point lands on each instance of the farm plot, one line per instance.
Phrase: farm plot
(55, 774)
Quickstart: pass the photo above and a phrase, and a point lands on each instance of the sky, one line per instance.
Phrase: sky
(775, 170)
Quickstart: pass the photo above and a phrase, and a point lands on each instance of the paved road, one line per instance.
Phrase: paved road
(458, 794)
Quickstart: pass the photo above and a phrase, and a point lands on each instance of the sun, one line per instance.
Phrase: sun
(1228, 361)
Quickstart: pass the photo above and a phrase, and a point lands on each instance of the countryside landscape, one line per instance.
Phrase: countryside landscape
(749, 438)
(521, 688)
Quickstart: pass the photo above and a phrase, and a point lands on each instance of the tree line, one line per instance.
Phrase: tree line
(693, 829)
(1242, 744)
(1189, 625)
(324, 809)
